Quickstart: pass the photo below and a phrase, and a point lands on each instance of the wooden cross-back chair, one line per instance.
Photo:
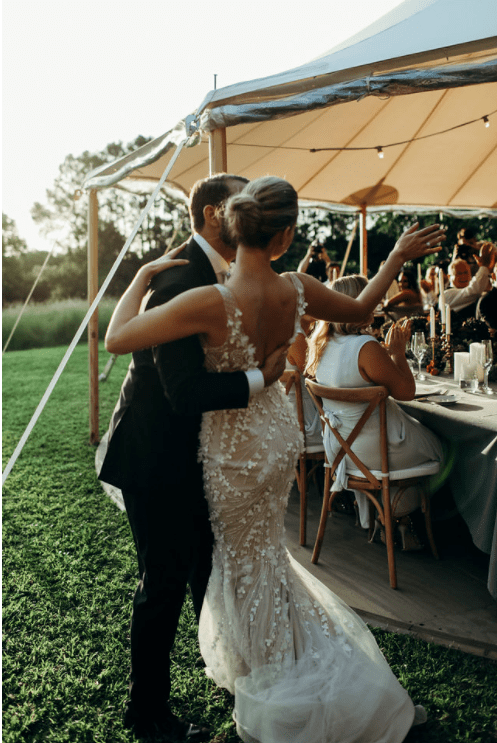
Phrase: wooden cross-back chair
(375, 484)
(311, 453)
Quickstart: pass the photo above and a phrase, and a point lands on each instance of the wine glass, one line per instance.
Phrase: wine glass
(418, 347)
(487, 359)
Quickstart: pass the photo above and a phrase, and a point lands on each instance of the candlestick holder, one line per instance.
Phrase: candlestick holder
(436, 364)
(448, 352)
(434, 343)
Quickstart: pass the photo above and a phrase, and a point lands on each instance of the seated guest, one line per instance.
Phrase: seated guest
(408, 298)
(377, 326)
(332, 270)
(346, 355)
(467, 248)
(315, 261)
(465, 291)
(393, 289)
(486, 309)
(444, 263)
(429, 286)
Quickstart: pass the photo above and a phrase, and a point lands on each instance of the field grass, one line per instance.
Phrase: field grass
(49, 324)
(70, 571)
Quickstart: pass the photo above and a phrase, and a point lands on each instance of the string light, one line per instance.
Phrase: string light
(379, 150)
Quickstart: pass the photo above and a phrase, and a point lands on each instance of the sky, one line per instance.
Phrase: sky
(77, 76)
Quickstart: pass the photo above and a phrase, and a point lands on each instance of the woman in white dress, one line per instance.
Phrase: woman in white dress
(302, 666)
(347, 355)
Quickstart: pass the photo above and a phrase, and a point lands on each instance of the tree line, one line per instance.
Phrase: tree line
(63, 218)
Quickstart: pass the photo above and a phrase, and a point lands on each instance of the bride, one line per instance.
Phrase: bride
(302, 666)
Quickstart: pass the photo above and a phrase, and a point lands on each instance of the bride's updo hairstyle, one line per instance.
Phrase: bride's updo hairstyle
(352, 286)
(265, 207)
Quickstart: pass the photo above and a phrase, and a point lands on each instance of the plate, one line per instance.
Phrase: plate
(442, 399)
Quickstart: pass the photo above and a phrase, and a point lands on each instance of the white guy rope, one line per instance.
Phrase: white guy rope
(108, 367)
(29, 297)
(86, 319)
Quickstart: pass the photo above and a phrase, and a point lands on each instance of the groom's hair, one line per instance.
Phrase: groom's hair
(211, 191)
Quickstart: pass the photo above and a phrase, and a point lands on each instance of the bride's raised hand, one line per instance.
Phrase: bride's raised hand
(414, 243)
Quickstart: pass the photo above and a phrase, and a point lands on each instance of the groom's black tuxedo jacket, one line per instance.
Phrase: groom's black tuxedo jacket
(153, 434)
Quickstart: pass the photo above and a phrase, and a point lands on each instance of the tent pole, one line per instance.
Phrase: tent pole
(218, 158)
(364, 241)
(349, 247)
(93, 323)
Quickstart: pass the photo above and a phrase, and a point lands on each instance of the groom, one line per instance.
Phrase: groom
(152, 458)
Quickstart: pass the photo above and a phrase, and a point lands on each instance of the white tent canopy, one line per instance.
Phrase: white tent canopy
(420, 83)
(426, 67)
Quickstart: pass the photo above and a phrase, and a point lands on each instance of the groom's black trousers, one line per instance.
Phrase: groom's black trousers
(173, 538)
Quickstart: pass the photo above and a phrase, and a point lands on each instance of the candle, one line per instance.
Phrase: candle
(419, 273)
(441, 299)
(460, 358)
(447, 319)
(432, 322)
(474, 352)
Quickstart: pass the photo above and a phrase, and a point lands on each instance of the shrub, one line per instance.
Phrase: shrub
(51, 324)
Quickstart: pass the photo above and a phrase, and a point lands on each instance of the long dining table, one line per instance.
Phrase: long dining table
(470, 424)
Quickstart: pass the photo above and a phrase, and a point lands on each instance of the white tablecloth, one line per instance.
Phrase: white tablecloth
(471, 424)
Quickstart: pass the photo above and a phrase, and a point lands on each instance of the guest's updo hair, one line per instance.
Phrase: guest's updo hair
(265, 207)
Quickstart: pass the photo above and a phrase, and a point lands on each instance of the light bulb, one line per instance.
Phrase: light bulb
(486, 121)
(380, 152)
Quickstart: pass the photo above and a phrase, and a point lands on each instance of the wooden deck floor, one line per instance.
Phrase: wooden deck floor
(444, 601)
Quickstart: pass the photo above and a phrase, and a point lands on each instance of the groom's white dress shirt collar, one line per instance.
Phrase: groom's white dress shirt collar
(218, 263)
(255, 377)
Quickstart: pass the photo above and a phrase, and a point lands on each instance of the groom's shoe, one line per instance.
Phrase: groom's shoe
(191, 733)
(169, 729)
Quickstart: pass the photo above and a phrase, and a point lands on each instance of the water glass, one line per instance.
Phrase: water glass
(418, 347)
(486, 360)
(469, 378)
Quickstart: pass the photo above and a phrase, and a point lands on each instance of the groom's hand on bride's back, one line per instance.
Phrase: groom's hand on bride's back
(274, 364)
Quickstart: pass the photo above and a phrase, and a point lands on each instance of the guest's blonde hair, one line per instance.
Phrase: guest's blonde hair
(265, 207)
(352, 286)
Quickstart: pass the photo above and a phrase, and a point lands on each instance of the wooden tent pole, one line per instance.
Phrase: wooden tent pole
(364, 241)
(349, 248)
(93, 323)
(218, 158)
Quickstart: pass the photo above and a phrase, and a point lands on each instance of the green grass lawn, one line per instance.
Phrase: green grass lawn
(69, 572)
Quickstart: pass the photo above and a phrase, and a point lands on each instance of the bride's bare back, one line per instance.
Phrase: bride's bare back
(268, 311)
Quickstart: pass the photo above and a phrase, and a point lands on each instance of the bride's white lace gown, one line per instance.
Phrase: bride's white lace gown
(302, 666)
